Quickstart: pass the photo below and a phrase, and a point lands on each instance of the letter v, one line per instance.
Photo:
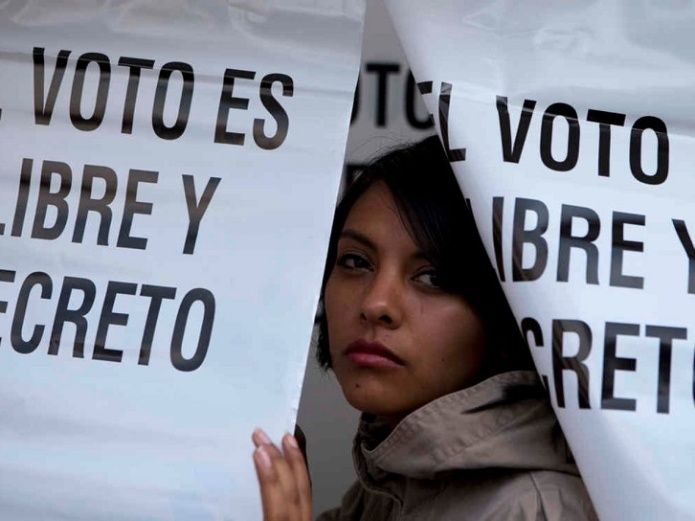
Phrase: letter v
(43, 105)
(511, 152)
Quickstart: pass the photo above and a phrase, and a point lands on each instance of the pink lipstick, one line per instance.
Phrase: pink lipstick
(372, 354)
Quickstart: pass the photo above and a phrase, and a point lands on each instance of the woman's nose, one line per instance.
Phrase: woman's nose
(382, 303)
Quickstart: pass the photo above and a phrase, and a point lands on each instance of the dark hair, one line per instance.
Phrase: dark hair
(436, 215)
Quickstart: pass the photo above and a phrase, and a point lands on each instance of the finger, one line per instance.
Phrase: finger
(272, 495)
(287, 482)
(295, 459)
(279, 460)
(259, 438)
(281, 491)
(284, 472)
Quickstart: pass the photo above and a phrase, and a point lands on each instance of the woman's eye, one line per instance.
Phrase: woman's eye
(429, 278)
(353, 261)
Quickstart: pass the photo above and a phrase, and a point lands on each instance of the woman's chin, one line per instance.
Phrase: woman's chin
(373, 398)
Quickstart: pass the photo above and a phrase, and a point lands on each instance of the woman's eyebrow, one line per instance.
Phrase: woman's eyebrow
(349, 233)
(357, 236)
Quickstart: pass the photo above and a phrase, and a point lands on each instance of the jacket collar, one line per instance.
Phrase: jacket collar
(502, 422)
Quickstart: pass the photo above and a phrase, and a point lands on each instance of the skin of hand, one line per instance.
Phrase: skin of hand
(283, 478)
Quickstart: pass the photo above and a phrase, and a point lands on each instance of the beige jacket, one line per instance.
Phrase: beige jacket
(491, 452)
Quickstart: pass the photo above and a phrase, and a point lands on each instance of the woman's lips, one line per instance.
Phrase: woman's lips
(372, 354)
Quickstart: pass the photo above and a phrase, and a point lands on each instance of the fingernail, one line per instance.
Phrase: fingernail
(291, 440)
(263, 457)
(263, 437)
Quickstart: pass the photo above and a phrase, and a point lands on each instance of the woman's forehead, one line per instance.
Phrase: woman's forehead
(378, 195)
(376, 221)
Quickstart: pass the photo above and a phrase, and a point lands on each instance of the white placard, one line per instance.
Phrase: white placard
(570, 127)
(388, 110)
(168, 177)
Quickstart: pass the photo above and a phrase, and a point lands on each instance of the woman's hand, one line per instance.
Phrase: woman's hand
(283, 478)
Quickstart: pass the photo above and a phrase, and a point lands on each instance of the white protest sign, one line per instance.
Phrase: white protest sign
(570, 127)
(388, 109)
(168, 177)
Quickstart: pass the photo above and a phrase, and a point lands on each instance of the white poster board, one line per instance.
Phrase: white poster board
(168, 177)
(388, 109)
(570, 128)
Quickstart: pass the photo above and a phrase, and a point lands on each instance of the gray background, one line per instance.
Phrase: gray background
(327, 420)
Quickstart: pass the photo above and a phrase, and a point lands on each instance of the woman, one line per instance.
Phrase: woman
(455, 424)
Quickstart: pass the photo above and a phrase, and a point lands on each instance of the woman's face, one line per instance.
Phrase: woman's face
(397, 340)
